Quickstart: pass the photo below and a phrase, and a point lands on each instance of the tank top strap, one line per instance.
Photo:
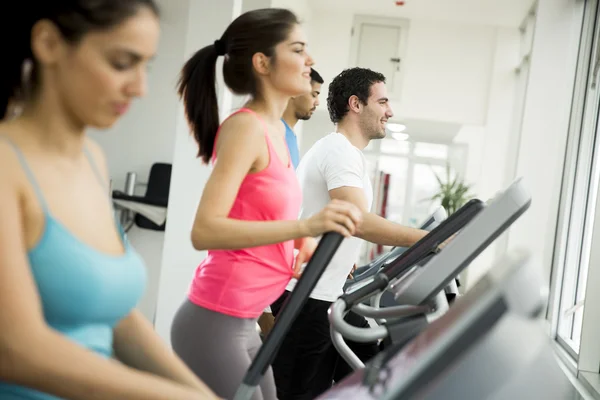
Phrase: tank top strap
(94, 166)
(262, 121)
(104, 184)
(28, 172)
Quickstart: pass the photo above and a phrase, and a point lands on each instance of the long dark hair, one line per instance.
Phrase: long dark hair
(74, 19)
(257, 31)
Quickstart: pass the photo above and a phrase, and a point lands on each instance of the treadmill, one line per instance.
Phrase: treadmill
(312, 273)
(417, 287)
(386, 299)
(328, 245)
(374, 266)
(490, 345)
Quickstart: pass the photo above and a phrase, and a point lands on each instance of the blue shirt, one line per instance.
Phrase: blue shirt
(84, 292)
(292, 143)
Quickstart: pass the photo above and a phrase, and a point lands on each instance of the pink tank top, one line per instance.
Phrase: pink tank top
(242, 283)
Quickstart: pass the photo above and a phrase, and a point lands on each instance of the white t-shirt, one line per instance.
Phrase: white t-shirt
(331, 163)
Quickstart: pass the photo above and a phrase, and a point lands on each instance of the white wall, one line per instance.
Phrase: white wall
(447, 66)
(447, 72)
(489, 143)
(452, 73)
(146, 135)
(498, 154)
(541, 151)
(189, 176)
(329, 44)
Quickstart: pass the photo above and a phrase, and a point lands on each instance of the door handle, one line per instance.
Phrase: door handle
(395, 59)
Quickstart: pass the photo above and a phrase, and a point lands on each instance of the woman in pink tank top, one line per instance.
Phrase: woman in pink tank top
(247, 218)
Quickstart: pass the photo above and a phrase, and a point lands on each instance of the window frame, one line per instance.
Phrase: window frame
(581, 167)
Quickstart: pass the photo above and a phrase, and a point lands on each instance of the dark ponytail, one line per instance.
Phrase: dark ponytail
(9, 84)
(18, 50)
(257, 31)
(197, 89)
(74, 19)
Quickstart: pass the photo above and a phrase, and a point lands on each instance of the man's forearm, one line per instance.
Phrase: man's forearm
(376, 229)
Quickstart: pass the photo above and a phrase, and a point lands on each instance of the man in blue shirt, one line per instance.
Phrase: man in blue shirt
(301, 108)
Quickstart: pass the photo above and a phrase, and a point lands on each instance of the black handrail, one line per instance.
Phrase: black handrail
(376, 264)
(418, 252)
(325, 251)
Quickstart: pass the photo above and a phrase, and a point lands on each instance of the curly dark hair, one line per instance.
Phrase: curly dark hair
(350, 82)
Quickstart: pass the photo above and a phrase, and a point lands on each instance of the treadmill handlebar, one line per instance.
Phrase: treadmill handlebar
(429, 244)
(374, 266)
(362, 335)
(325, 251)
(418, 252)
(356, 294)
(384, 258)
(399, 311)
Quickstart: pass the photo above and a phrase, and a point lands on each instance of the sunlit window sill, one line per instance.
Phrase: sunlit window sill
(591, 381)
(586, 383)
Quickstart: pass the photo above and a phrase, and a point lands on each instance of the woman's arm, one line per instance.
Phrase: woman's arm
(32, 354)
(299, 243)
(376, 229)
(137, 345)
(240, 143)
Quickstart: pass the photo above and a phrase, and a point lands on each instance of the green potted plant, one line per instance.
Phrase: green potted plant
(453, 193)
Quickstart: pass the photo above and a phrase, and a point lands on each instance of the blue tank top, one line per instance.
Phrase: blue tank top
(84, 292)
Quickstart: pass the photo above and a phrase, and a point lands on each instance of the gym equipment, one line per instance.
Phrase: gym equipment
(312, 273)
(373, 288)
(148, 211)
(417, 287)
(374, 266)
(489, 345)
(386, 299)
(327, 247)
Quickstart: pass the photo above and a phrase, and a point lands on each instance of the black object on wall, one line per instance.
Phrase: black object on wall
(157, 194)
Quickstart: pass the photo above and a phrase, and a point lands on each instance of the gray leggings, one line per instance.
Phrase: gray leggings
(219, 349)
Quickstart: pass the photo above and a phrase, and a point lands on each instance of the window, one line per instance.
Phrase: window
(425, 186)
(396, 201)
(522, 77)
(578, 198)
(393, 146)
(412, 169)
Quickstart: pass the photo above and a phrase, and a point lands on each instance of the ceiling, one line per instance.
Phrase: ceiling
(508, 13)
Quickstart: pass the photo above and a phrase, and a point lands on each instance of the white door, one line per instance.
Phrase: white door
(378, 44)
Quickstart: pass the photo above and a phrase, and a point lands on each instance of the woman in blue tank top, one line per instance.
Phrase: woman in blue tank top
(69, 281)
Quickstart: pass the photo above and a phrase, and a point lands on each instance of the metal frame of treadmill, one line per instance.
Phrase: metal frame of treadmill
(431, 223)
(422, 285)
(508, 298)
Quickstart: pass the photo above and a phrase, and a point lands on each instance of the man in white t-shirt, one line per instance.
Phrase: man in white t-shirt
(336, 168)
